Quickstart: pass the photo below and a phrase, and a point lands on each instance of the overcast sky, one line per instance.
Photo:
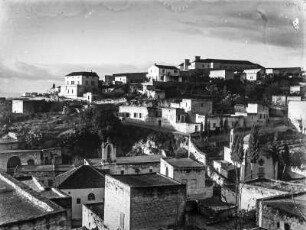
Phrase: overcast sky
(42, 41)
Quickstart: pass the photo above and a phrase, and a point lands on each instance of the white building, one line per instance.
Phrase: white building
(251, 74)
(297, 114)
(163, 73)
(221, 74)
(78, 83)
(84, 184)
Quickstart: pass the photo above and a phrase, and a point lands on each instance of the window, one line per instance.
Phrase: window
(122, 220)
(92, 83)
(151, 169)
(193, 184)
(50, 183)
(78, 200)
(140, 115)
(135, 115)
(91, 196)
(277, 224)
(122, 172)
(30, 162)
(214, 125)
(167, 171)
(287, 226)
(86, 82)
(72, 82)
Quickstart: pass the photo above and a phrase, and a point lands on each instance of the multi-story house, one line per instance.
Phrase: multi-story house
(78, 83)
(238, 65)
(163, 73)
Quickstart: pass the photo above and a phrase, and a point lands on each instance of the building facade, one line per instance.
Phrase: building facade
(163, 73)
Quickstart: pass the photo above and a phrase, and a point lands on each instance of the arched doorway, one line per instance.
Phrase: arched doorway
(12, 163)
(30, 162)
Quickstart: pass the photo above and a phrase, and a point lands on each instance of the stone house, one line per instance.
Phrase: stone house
(189, 172)
(262, 188)
(143, 201)
(284, 212)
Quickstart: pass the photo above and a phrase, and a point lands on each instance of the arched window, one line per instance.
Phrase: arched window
(30, 162)
(91, 196)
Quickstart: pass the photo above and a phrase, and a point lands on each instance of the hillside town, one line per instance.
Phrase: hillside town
(201, 144)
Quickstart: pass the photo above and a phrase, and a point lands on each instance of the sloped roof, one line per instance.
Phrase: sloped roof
(224, 61)
(166, 66)
(84, 176)
(89, 74)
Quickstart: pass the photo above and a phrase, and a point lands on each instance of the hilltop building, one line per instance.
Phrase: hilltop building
(217, 64)
(163, 73)
(79, 83)
(126, 78)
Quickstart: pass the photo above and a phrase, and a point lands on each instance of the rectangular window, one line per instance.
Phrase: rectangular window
(72, 82)
(78, 200)
(122, 220)
(184, 181)
(214, 125)
(135, 115)
(92, 83)
(122, 172)
(193, 184)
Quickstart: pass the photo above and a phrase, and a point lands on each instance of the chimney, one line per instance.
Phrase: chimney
(197, 58)
(186, 64)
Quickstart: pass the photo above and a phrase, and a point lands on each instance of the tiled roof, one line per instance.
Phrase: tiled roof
(166, 67)
(89, 74)
(289, 204)
(146, 180)
(17, 202)
(184, 163)
(84, 176)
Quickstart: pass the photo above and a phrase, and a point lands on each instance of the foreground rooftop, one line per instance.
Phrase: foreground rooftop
(146, 180)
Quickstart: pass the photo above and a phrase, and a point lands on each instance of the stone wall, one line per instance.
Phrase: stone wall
(117, 204)
(154, 208)
(195, 153)
(273, 220)
(91, 220)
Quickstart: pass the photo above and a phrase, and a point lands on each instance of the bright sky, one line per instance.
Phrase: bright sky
(42, 41)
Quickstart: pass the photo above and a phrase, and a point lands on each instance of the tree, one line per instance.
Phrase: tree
(253, 151)
(285, 161)
(274, 151)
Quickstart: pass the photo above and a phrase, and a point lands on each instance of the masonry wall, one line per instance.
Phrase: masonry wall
(134, 168)
(271, 219)
(117, 204)
(249, 195)
(24, 156)
(91, 220)
(160, 207)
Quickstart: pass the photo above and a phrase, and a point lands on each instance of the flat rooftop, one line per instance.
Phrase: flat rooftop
(18, 151)
(277, 185)
(184, 163)
(146, 180)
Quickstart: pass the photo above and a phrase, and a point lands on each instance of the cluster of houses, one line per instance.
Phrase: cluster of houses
(155, 191)
(143, 192)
